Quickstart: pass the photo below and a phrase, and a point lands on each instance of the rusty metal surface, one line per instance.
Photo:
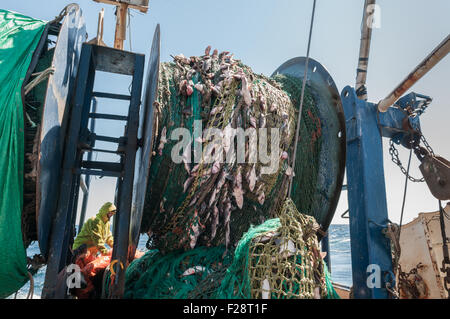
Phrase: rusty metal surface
(364, 50)
(54, 119)
(115, 60)
(436, 171)
(421, 249)
(426, 65)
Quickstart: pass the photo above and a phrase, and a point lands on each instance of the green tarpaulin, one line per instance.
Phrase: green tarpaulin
(19, 36)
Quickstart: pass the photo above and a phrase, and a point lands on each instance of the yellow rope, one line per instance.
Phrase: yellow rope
(287, 263)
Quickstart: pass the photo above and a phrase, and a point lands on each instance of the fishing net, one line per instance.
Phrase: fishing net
(277, 259)
(282, 262)
(209, 202)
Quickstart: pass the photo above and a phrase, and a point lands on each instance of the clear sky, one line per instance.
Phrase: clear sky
(266, 33)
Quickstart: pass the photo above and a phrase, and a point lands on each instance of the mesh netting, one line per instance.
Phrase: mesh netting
(175, 275)
(308, 148)
(282, 262)
(277, 259)
(214, 203)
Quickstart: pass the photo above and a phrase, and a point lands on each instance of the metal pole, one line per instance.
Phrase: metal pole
(364, 49)
(326, 248)
(87, 178)
(426, 65)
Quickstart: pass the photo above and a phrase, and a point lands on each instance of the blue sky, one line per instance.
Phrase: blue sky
(266, 33)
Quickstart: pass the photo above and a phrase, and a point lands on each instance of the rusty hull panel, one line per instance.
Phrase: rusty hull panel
(421, 242)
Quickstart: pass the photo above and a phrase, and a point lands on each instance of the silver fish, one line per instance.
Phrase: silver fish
(262, 121)
(215, 222)
(273, 107)
(252, 122)
(289, 171)
(251, 178)
(227, 215)
(206, 65)
(208, 50)
(261, 198)
(237, 190)
(199, 87)
(216, 167)
(188, 183)
(245, 92)
(215, 110)
(162, 140)
(262, 103)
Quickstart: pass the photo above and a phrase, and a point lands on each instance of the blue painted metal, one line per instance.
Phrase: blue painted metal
(371, 249)
(61, 223)
(325, 242)
(123, 246)
(80, 140)
(87, 179)
(54, 120)
(146, 136)
(108, 116)
(111, 96)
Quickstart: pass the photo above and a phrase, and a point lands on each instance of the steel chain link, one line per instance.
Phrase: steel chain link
(396, 160)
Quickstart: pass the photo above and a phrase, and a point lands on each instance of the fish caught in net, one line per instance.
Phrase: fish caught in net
(214, 193)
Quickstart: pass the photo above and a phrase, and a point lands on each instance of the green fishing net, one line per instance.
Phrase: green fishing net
(207, 212)
(277, 259)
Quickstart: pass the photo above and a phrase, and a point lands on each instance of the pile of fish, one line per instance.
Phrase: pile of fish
(215, 200)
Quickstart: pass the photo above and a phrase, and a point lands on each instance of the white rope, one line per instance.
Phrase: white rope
(129, 29)
(301, 98)
(31, 291)
(62, 14)
(40, 76)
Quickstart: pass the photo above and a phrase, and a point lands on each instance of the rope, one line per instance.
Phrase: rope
(129, 29)
(40, 76)
(397, 249)
(282, 252)
(301, 98)
(404, 193)
(31, 291)
(62, 14)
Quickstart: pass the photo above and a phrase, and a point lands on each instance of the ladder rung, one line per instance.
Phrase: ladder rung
(107, 166)
(106, 138)
(98, 173)
(112, 96)
(108, 116)
(104, 151)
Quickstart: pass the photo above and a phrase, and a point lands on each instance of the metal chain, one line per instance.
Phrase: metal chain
(392, 291)
(396, 160)
(427, 146)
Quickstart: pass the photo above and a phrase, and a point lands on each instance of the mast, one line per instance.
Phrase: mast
(363, 61)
